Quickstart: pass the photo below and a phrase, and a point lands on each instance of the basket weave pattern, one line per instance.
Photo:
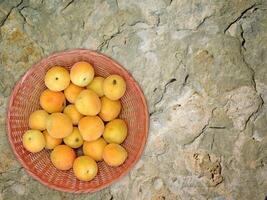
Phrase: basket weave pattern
(25, 99)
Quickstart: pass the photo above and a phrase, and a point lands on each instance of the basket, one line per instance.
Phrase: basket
(25, 99)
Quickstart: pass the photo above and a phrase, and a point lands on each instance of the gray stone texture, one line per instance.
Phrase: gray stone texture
(203, 68)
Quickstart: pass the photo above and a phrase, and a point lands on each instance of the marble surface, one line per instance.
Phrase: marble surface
(203, 68)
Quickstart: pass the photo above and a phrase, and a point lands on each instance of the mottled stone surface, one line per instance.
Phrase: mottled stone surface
(203, 68)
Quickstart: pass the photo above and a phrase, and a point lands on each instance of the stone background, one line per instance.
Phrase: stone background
(202, 65)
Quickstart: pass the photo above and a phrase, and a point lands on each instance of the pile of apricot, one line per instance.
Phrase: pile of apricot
(79, 111)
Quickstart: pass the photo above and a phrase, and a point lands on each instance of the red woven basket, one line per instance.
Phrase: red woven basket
(25, 99)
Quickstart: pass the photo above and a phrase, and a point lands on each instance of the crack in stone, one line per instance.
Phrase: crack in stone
(137, 22)
(171, 1)
(4, 20)
(7, 186)
(25, 21)
(256, 112)
(105, 43)
(68, 4)
(83, 24)
(242, 47)
(6, 17)
(198, 26)
(200, 133)
(185, 80)
(243, 38)
(117, 4)
(217, 127)
(24, 18)
(152, 113)
(202, 22)
(243, 56)
(240, 16)
(212, 142)
(206, 126)
(165, 90)
(158, 20)
(251, 69)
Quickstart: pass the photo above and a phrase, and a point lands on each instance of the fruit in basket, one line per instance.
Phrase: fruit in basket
(97, 85)
(57, 79)
(109, 109)
(88, 103)
(50, 142)
(114, 154)
(62, 157)
(73, 113)
(72, 92)
(89, 108)
(82, 73)
(114, 87)
(91, 128)
(115, 131)
(74, 140)
(59, 125)
(33, 141)
(37, 120)
(85, 168)
(52, 101)
(94, 149)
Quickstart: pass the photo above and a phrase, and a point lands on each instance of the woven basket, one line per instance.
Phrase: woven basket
(25, 99)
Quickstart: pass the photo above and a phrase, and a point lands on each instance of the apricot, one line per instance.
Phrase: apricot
(115, 131)
(94, 149)
(33, 141)
(82, 73)
(91, 128)
(57, 78)
(52, 101)
(97, 85)
(62, 157)
(109, 109)
(51, 142)
(37, 120)
(88, 103)
(114, 154)
(72, 92)
(114, 87)
(59, 125)
(73, 113)
(85, 168)
(74, 140)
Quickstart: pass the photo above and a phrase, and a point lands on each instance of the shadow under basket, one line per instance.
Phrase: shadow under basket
(25, 99)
